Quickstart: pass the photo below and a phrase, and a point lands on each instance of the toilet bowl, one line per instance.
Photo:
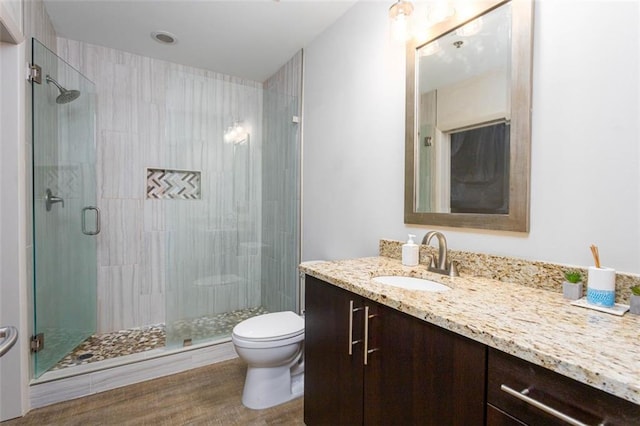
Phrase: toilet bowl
(271, 345)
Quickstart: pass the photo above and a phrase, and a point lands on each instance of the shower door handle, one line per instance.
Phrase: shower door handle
(8, 337)
(84, 220)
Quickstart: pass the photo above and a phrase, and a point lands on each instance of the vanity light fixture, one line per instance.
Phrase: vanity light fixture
(236, 134)
(399, 14)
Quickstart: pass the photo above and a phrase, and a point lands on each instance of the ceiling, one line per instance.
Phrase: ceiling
(245, 38)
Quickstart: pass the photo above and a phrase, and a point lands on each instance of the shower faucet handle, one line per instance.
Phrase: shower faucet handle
(50, 200)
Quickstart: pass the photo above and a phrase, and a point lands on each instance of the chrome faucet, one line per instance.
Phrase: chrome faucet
(443, 267)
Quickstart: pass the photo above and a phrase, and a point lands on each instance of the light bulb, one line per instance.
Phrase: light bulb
(399, 14)
(399, 28)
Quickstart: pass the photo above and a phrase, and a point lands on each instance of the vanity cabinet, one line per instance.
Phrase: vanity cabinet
(518, 392)
(366, 363)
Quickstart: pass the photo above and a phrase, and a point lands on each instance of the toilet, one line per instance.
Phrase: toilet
(272, 346)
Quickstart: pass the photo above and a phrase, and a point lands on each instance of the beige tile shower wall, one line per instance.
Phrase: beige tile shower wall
(152, 113)
(281, 187)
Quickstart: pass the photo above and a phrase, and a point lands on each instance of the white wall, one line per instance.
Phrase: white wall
(13, 368)
(585, 158)
(353, 141)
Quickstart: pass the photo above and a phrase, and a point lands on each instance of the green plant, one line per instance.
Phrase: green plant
(635, 290)
(573, 277)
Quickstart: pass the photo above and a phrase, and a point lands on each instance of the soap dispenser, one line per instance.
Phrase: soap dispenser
(410, 252)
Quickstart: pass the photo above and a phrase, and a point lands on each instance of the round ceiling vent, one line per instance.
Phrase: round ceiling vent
(164, 37)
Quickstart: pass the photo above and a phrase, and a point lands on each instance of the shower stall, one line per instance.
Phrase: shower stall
(165, 203)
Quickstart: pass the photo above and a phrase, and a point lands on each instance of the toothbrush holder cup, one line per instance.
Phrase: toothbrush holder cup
(601, 286)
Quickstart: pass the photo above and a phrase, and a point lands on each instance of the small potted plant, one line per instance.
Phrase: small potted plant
(572, 287)
(634, 303)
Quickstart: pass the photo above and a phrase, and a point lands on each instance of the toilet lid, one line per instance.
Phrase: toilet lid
(276, 325)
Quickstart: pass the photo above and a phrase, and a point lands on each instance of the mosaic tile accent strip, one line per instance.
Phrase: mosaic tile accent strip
(173, 184)
(542, 275)
(100, 347)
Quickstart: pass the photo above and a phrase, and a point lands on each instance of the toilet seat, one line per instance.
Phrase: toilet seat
(274, 326)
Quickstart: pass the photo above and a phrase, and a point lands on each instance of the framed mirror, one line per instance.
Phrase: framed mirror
(468, 119)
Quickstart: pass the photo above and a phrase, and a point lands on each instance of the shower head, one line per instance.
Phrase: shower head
(65, 95)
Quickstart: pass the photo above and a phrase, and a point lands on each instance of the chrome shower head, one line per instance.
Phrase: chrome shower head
(65, 95)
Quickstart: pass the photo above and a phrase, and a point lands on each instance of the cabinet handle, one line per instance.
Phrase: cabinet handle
(522, 396)
(351, 341)
(367, 351)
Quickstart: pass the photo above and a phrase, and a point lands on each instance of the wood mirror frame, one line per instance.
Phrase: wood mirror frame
(517, 218)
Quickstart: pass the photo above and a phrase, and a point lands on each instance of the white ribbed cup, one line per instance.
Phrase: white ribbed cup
(601, 286)
(602, 278)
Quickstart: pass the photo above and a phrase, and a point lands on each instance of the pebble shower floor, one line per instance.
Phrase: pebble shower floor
(100, 347)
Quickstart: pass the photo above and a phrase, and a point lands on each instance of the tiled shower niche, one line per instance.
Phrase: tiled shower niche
(166, 184)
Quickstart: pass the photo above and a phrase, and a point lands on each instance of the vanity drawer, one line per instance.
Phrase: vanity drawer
(509, 376)
(497, 417)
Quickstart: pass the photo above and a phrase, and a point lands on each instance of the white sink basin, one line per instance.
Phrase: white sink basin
(411, 283)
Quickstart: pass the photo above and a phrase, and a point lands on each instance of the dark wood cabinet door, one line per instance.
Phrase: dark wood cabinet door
(333, 378)
(421, 374)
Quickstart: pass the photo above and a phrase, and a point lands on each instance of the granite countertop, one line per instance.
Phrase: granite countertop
(596, 348)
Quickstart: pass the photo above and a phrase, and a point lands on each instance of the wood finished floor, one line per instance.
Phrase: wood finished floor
(204, 396)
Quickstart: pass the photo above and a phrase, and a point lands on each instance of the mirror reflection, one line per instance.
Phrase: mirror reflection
(468, 120)
(463, 115)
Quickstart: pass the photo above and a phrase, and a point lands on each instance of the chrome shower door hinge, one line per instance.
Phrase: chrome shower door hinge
(37, 342)
(35, 74)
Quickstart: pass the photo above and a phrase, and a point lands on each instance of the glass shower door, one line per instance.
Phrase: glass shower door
(65, 219)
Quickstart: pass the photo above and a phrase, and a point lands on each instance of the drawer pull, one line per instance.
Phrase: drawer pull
(351, 341)
(522, 396)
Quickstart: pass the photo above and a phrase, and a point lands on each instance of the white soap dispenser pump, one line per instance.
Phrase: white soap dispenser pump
(410, 252)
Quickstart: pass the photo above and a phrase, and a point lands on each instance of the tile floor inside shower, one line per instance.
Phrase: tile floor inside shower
(100, 347)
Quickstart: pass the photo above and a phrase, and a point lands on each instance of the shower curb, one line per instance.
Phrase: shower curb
(59, 386)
